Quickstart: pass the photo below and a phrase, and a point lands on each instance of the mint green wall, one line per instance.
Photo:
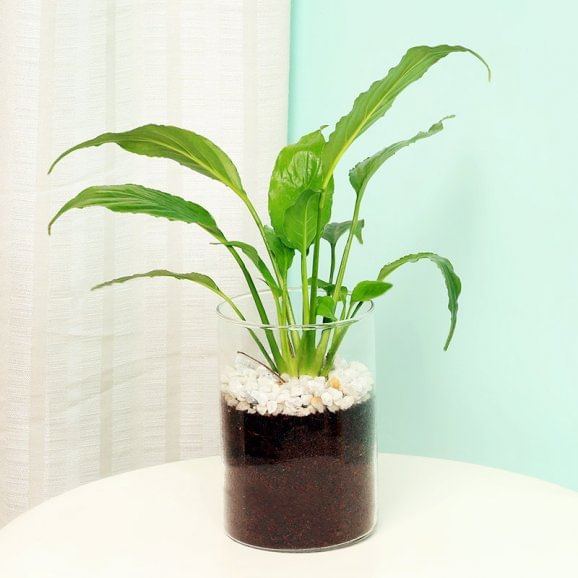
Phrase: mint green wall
(495, 192)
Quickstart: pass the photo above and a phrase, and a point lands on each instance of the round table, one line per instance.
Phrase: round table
(438, 518)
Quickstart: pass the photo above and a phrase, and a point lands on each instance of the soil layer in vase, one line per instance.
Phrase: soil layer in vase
(299, 483)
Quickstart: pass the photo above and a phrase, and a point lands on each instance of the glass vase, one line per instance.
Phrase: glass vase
(299, 440)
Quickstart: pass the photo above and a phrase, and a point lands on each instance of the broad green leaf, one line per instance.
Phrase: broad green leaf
(199, 278)
(360, 174)
(368, 290)
(252, 253)
(184, 146)
(301, 221)
(138, 199)
(326, 307)
(334, 231)
(283, 255)
(452, 281)
(297, 169)
(371, 105)
(330, 287)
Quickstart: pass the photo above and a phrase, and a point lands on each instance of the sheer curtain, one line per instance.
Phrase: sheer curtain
(96, 383)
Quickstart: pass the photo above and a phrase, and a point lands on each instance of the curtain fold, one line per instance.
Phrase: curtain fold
(96, 383)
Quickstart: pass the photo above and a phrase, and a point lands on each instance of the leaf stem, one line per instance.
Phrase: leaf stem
(262, 365)
(260, 308)
(347, 248)
(304, 288)
(314, 272)
(332, 265)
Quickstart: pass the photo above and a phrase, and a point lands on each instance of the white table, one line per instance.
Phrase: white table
(438, 519)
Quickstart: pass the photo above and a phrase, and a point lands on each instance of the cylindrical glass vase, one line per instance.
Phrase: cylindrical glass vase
(299, 441)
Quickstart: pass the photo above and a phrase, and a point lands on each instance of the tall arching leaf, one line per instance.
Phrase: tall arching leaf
(198, 278)
(360, 174)
(170, 142)
(453, 282)
(131, 198)
(371, 105)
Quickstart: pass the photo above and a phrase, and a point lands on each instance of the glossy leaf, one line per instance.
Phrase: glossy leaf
(326, 307)
(297, 170)
(282, 254)
(452, 281)
(183, 146)
(371, 105)
(334, 231)
(360, 174)
(252, 253)
(368, 290)
(300, 223)
(131, 198)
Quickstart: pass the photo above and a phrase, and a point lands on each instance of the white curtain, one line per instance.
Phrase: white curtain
(96, 383)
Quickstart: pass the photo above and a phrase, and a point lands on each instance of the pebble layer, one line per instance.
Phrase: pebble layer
(248, 386)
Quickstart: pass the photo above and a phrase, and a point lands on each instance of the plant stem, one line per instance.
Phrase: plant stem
(324, 341)
(315, 266)
(281, 281)
(314, 274)
(260, 308)
(347, 249)
(286, 307)
(251, 332)
(304, 288)
(290, 315)
(332, 266)
(262, 365)
(284, 338)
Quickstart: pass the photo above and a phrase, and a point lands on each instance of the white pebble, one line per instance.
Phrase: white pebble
(346, 402)
(317, 403)
(297, 390)
(250, 387)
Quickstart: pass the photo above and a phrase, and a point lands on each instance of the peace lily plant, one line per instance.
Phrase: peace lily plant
(300, 199)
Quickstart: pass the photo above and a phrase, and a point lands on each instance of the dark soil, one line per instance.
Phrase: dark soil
(297, 483)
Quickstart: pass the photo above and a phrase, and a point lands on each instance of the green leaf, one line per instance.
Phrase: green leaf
(283, 255)
(199, 278)
(330, 287)
(301, 221)
(187, 148)
(326, 307)
(360, 174)
(371, 105)
(368, 290)
(138, 199)
(297, 169)
(452, 281)
(252, 253)
(334, 231)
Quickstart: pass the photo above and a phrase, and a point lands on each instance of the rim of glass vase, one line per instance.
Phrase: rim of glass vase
(365, 310)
